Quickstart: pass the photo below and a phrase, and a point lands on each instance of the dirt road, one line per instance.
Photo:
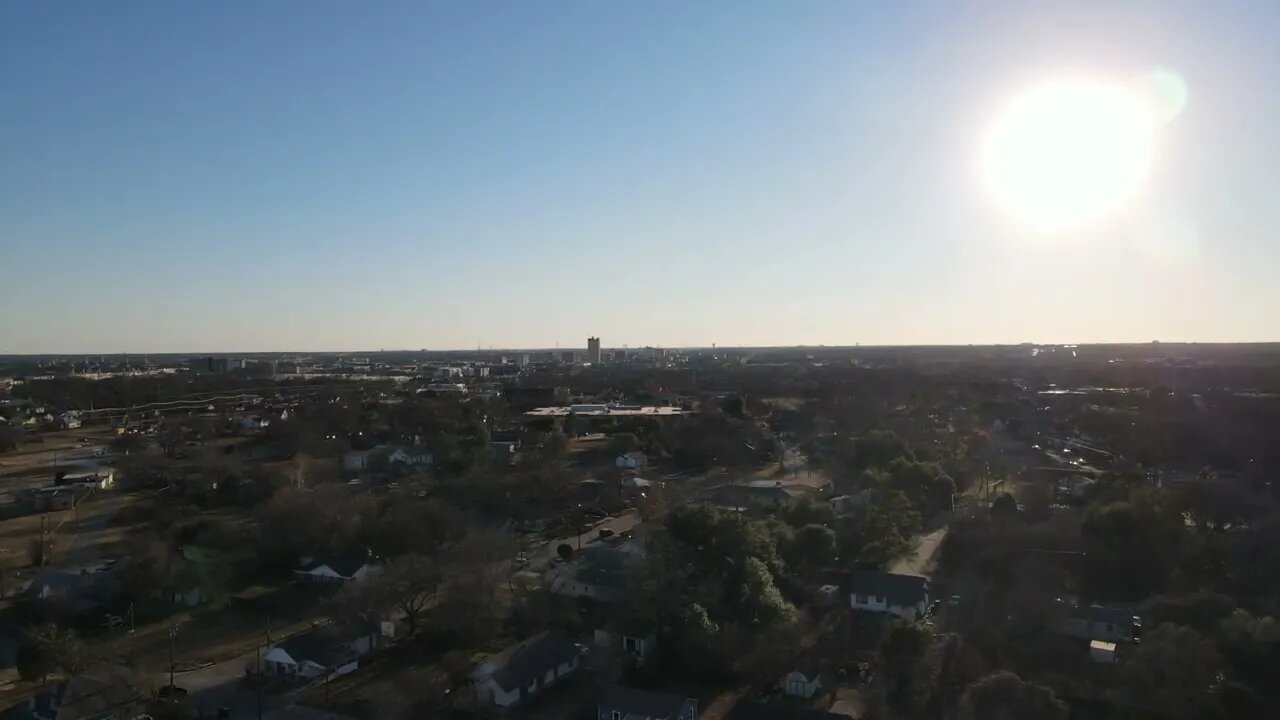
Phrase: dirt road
(921, 561)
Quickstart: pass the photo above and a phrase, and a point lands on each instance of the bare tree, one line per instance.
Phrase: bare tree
(412, 583)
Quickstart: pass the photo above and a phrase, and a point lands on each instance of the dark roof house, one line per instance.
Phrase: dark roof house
(633, 704)
(101, 692)
(898, 589)
(316, 647)
(86, 590)
(523, 663)
(746, 710)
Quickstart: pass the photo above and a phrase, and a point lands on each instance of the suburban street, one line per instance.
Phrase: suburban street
(541, 557)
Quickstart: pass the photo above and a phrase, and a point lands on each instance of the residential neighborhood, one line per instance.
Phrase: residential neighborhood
(376, 552)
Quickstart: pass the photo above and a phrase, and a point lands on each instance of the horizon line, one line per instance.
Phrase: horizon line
(127, 353)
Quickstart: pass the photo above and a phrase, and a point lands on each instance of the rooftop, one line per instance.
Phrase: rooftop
(644, 703)
(345, 564)
(897, 588)
(746, 710)
(519, 664)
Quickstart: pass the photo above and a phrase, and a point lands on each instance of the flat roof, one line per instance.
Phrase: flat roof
(602, 410)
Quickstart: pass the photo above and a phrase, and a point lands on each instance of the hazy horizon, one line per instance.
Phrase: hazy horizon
(532, 349)
(756, 174)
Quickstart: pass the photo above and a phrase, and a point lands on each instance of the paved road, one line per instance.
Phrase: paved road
(222, 685)
(540, 557)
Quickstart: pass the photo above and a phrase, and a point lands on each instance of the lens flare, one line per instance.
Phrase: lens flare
(1068, 153)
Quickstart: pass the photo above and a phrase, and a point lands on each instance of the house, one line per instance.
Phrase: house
(337, 568)
(634, 486)
(759, 494)
(525, 669)
(1102, 652)
(906, 596)
(632, 460)
(105, 691)
(1109, 623)
(633, 639)
(411, 457)
(746, 710)
(589, 492)
(624, 703)
(847, 505)
(55, 497)
(85, 590)
(316, 653)
(101, 478)
(504, 443)
(503, 450)
(360, 460)
(253, 423)
(804, 681)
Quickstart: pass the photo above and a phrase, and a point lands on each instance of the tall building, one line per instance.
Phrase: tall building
(593, 350)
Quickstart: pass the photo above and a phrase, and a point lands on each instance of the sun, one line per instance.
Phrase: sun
(1069, 153)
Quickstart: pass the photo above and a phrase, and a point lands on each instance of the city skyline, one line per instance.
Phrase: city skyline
(248, 178)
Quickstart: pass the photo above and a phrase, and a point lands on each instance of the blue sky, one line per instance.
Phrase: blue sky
(334, 175)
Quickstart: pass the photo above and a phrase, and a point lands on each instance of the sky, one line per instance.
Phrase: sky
(288, 176)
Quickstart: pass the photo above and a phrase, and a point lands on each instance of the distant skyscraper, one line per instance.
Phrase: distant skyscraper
(593, 350)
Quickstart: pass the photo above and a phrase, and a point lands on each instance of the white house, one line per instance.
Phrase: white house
(803, 682)
(632, 460)
(906, 596)
(525, 669)
(337, 569)
(102, 478)
(315, 653)
(411, 457)
(253, 422)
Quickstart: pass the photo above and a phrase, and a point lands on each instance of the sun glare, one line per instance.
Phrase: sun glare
(1067, 154)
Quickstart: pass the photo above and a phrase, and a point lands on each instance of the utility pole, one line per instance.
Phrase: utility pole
(173, 637)
(44, 538)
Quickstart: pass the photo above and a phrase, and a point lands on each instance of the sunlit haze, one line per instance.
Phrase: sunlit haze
(341, 176)
(1066, 154)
